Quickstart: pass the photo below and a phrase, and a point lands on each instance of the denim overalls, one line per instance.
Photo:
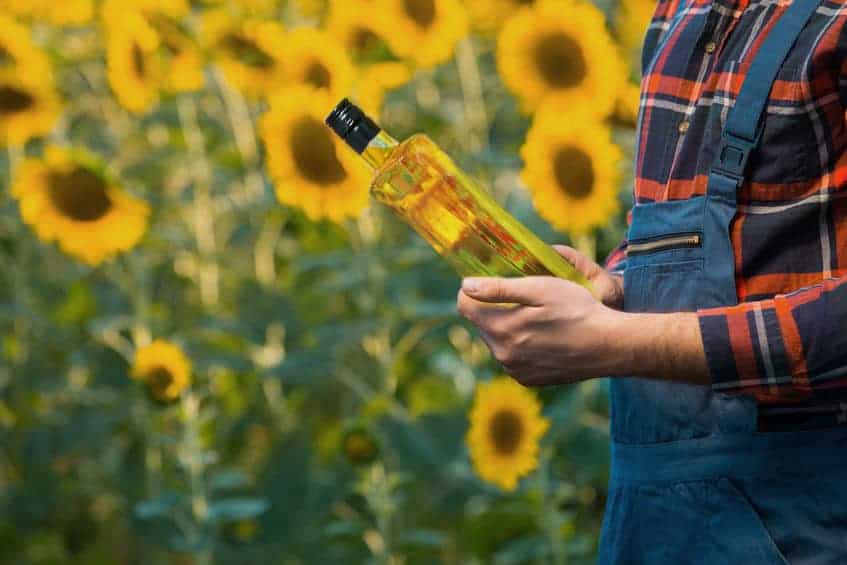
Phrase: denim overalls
(692, 480)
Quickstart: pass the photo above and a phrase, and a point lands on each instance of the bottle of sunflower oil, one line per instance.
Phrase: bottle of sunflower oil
(453, 213)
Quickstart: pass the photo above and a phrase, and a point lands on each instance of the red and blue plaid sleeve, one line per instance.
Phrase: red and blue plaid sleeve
(782, 349)
(616, 260)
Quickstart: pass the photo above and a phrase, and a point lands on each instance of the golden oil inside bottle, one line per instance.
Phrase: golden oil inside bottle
(461, 221)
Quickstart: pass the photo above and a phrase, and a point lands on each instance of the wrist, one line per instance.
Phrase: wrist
(659, 346)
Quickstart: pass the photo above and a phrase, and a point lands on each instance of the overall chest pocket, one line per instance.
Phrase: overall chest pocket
(665, 262)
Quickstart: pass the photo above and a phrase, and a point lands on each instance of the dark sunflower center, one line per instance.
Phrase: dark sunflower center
(574, 172)
(14, 100)
(314, 152)
(359, 447)
(159, 379)
(421, 11)
(138, 63)
(317, 75)
(5, 56)
(559, 60)
(364, 40)
(172, 34)
(247, 51)
(78, 194)
(506, 431)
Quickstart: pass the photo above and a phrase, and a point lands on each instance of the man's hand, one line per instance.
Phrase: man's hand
(553, 330)
(546, 330)
(608, 288)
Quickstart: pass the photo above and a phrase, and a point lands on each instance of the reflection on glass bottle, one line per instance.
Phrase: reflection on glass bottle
(452, 212)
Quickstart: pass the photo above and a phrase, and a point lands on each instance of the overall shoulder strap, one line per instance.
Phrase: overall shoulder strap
(743, 128)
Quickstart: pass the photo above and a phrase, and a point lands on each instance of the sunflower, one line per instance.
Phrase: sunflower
(17, 49)
(571, 169)
(561, 50)
(631, 21)
(164, 368)
(66, 198)
(627, 104)
(170, 8)
(66, 12)
(316, 58)
(359, 445)
(355, 27)
(255, 8)
(182, 60)
(250, 52)
(310, 167)
(134, 67)
(488, 15)
(424, 31)
(374, 82)
(27, 108)
(505, 429)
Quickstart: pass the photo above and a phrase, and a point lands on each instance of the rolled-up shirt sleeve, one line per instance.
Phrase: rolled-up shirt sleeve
(782, 349)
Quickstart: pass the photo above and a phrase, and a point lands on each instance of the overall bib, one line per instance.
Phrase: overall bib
(692, 480)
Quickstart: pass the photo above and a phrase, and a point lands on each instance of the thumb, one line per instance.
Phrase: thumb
(527, 291)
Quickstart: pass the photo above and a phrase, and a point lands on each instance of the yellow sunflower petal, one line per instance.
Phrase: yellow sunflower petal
(18, 51)
(66, 12)
(488, 16)
(308, 164)
(506, 427)
(317, 59)
(251, 52)
(571, 171)
(352, 23)
(375, 81)
(65, 200)
(134, 65)
(631, 21)
(164, 368)
(424, 31)
(560, 50)
(27, 108)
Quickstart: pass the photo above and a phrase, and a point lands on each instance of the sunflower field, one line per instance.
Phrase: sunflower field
(215, 349)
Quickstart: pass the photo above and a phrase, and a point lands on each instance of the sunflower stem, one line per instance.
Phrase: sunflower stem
(586, 244)
(193, 460)
(551, 519)
(203, 211)
(470, 82)
(245, 137)
(15, 155)
(264, 250)
(378, 486)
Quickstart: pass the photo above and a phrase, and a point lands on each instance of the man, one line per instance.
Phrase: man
(730, 319)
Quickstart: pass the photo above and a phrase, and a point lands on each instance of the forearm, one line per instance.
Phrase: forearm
(658, 346)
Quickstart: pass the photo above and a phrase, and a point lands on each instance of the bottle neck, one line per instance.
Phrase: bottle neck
(378, 149)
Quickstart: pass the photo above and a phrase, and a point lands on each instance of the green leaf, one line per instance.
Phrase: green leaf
(229, 479)
(233, 509)
(157, 507)
(421, 538)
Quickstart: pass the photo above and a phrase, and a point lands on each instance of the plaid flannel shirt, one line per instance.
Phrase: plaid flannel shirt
(786, 340)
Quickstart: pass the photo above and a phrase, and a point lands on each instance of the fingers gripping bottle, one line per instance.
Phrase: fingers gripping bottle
(453, 213)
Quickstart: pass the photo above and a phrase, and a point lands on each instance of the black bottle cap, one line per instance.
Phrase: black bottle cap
(352, 125)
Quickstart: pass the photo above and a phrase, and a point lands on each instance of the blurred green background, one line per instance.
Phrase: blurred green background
(214, 351)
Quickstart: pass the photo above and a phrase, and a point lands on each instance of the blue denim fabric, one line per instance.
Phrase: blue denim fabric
(692, 480)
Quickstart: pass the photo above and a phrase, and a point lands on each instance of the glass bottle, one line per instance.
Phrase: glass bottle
(460, 219)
